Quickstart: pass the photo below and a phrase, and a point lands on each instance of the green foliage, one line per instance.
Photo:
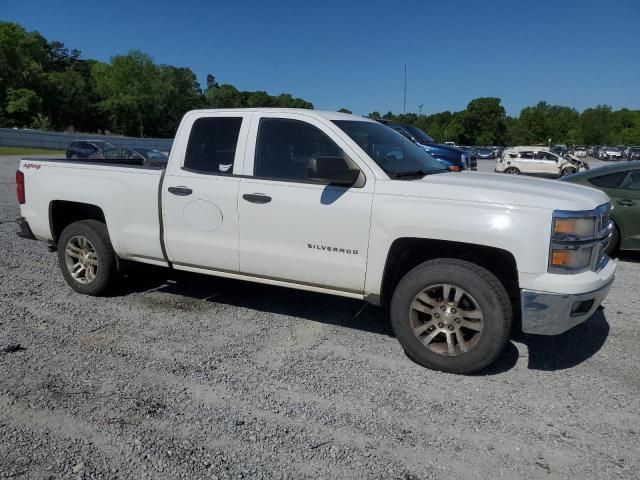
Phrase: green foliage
(345, 110)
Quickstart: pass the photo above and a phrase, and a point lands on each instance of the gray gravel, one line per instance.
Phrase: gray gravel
(186, 376)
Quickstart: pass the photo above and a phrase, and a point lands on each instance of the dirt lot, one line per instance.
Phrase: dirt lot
(184, 376)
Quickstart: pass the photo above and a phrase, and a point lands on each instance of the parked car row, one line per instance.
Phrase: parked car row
(615, 152)
(93, 150)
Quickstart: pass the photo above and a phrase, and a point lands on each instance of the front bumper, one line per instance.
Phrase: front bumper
(546, 313)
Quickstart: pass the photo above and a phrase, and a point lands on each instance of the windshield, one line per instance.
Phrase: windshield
(390, 150)
(419, 135)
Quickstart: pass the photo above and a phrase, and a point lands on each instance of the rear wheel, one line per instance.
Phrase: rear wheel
(86, 257)
(451, 315)
(512, 171)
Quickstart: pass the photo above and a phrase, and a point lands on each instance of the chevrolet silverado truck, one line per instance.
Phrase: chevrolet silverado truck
(323, 201)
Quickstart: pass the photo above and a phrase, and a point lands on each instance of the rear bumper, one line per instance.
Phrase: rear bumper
(25, 229)
(546, 313)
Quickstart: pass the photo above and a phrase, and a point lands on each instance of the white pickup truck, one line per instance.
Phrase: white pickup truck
(338, 204)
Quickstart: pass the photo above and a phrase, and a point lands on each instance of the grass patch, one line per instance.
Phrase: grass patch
(29, 151)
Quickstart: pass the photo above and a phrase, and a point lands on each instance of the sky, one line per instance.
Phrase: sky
(336, 54)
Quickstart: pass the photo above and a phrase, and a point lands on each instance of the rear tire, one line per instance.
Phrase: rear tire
(86, 257)
(451, 315)
(512, 171)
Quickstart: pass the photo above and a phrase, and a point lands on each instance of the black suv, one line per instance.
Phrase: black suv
(87, 148)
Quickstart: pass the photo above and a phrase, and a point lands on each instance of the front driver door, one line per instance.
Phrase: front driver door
(295, 229)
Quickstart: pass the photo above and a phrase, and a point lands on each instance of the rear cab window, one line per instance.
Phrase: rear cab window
(212, 144)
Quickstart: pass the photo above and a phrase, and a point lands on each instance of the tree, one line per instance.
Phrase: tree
(131, 88)
(345, 110)
(484, 123)
(223, 96)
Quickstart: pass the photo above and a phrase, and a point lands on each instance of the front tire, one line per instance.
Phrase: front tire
(87, 258)
(451, 315)
(614, 242)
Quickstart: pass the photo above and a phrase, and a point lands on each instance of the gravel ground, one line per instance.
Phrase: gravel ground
(185, 376)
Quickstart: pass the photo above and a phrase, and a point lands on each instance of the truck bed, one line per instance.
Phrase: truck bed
(126, 193)
(106, 162)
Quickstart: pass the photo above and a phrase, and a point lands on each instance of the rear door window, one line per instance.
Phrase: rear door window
(212, 145)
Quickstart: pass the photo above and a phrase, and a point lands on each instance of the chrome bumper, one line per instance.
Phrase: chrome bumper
(552, 314)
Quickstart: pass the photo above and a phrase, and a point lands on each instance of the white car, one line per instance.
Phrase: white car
(537, 161)
(610, 153)
(339, 204)
(580, 152)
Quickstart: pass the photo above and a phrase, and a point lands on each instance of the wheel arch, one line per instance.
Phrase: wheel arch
(64, 212)
(407, 253)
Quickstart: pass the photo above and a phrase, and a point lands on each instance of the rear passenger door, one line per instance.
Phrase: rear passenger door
(200, 192)
(293, 228)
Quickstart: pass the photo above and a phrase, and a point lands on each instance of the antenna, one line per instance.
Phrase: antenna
(404, 101)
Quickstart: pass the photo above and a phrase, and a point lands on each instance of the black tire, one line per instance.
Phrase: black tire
(489, 294)
(568, 171)
(98, 236)
(512, 171)
(614, 242)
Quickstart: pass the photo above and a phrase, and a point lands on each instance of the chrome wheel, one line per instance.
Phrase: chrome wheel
(446, 319)
(81, 259)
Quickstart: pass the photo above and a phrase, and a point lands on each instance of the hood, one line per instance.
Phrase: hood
(499, 189)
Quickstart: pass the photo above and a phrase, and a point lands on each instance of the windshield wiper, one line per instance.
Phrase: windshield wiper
(412, 173)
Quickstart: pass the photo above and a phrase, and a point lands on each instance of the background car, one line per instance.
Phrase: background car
(538, 161)
(452, 155)
(580, 152)
(485, 152)
(622, 183)
(146, 156)
(87, 148)
(610, 153)
(633, 153)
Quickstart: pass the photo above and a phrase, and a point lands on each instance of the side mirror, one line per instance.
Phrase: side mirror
(332, 170)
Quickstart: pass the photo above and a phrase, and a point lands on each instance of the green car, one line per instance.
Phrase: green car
(622, 183)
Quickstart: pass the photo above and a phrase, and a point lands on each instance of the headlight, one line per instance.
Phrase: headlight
(579, 240)
(574, 227)
(571, 258)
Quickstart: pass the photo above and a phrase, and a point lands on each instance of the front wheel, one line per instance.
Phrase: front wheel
(86, 257)
(568, 171)
(451, 315)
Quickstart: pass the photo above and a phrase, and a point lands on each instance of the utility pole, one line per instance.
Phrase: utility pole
(404, 101)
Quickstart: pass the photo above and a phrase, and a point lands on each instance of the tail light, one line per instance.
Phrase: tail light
(20, 187)
(453, 168)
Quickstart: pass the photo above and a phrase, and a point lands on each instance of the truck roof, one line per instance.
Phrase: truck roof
(328, 115)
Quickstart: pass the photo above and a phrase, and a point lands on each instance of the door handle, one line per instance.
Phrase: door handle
(180, 191)
(259, 198)
(626, 203)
